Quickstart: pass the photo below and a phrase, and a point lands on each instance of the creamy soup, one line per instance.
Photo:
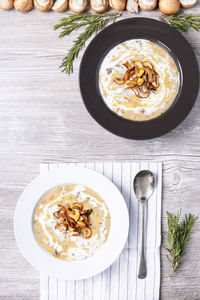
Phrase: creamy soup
(71, 222)
(126, 101)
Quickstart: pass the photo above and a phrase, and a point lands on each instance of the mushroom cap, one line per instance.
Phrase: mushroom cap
(147, 4)
(6, 4)
(132, 6)
(23, 5)
(118, 4)
(188, 3)
(78, 6)
(169, 7)
(60, 5)
(99, 6)
(43, 5)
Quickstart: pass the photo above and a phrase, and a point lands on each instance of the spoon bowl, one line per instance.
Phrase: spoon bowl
(144, 183)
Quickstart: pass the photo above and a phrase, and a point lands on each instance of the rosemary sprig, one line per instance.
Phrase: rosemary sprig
(177, 237)
(92, 23)
(183, 22)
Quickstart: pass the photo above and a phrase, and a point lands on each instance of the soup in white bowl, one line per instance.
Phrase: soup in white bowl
(71, 222)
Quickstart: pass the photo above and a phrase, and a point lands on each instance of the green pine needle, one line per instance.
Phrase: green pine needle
(183, 22)
(92, 23)
(177, 237)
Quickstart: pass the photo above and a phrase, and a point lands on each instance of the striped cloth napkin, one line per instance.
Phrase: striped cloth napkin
(119, 281)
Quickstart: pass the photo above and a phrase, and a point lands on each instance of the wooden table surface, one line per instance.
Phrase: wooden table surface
(43, 119)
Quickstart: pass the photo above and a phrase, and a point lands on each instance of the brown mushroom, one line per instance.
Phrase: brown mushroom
(147, 4)
(78, 6)
(6, 4)
(99, 6)
(188, 3)
(43, 5)
(23, 5)
(60, 5)
(132, 6)
(118, 4)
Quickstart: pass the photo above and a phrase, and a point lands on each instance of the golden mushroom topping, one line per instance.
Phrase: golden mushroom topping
(74, 220)
(140, 77)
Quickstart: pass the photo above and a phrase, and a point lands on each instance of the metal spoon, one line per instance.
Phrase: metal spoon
(144, 184)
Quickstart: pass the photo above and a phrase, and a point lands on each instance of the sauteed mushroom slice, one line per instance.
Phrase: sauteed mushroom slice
(138, 64)
(135, 90)
(131, 83)
(71, 221)
(140, 81)
(149, 73)
(84, 218)
(81, 224)
(156, 83)
(127, 65)
(74, 214)
(87, 232)
(139, 72)
(86, 212)
(147, 64)
(127, 75)
(57, 214)
(143, 94)
(78, 205)
(119, 81)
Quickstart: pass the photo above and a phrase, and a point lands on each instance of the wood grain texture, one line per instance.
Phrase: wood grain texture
(43, 119)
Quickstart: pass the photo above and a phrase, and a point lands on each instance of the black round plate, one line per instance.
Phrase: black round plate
(135, 28)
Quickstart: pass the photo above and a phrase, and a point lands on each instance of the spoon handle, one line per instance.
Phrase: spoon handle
(142, 269)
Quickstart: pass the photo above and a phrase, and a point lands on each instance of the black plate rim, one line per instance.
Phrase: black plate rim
(139, 130)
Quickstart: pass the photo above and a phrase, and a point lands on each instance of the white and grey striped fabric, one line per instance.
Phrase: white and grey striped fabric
(119, 282)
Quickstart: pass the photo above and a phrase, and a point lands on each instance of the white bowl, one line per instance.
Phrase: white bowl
(40, 258)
